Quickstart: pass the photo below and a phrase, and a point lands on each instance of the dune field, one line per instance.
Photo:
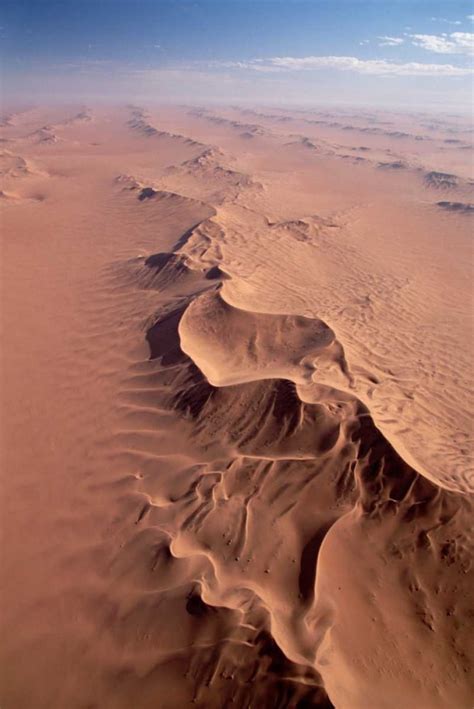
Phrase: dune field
(236, 408)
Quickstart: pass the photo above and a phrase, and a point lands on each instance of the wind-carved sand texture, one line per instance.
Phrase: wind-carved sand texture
(236, 409)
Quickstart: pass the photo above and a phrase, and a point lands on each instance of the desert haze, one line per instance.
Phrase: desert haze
(236, 410)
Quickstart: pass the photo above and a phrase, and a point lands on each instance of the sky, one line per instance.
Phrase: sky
(405, 53)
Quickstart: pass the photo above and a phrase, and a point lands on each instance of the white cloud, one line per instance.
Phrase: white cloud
(448, 22)
(364, 41)
(375, 67)
(470, 17)
(455, 43)
(390, 41)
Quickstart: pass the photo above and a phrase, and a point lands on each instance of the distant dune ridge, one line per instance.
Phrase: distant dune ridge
(243, 377)
(457, 207)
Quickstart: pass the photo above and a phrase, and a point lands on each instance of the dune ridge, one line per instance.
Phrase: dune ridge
(140, 121)
(239, 409)
(238, 406)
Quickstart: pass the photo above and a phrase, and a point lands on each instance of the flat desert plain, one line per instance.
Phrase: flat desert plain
(236, 408)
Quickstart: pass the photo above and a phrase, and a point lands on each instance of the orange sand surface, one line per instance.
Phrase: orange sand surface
(236, 409)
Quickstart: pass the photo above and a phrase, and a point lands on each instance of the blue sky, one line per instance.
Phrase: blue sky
(400, 52)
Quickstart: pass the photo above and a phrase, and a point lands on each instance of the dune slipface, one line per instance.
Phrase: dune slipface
(236, 418)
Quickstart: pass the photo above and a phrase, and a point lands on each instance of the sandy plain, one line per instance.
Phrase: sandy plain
(236, 408)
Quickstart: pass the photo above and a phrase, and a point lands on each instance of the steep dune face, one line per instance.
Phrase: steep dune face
(214, 462)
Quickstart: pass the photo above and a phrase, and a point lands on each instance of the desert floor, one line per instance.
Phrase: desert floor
(236, 409)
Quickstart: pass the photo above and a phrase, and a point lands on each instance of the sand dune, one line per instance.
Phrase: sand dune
(12, 165)
(140, 121)
(441, 180)
(45, 134)
(236, 418)
(273, 421)
(210, 177)
(456, 207)
(304, 142)
(269, 345)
